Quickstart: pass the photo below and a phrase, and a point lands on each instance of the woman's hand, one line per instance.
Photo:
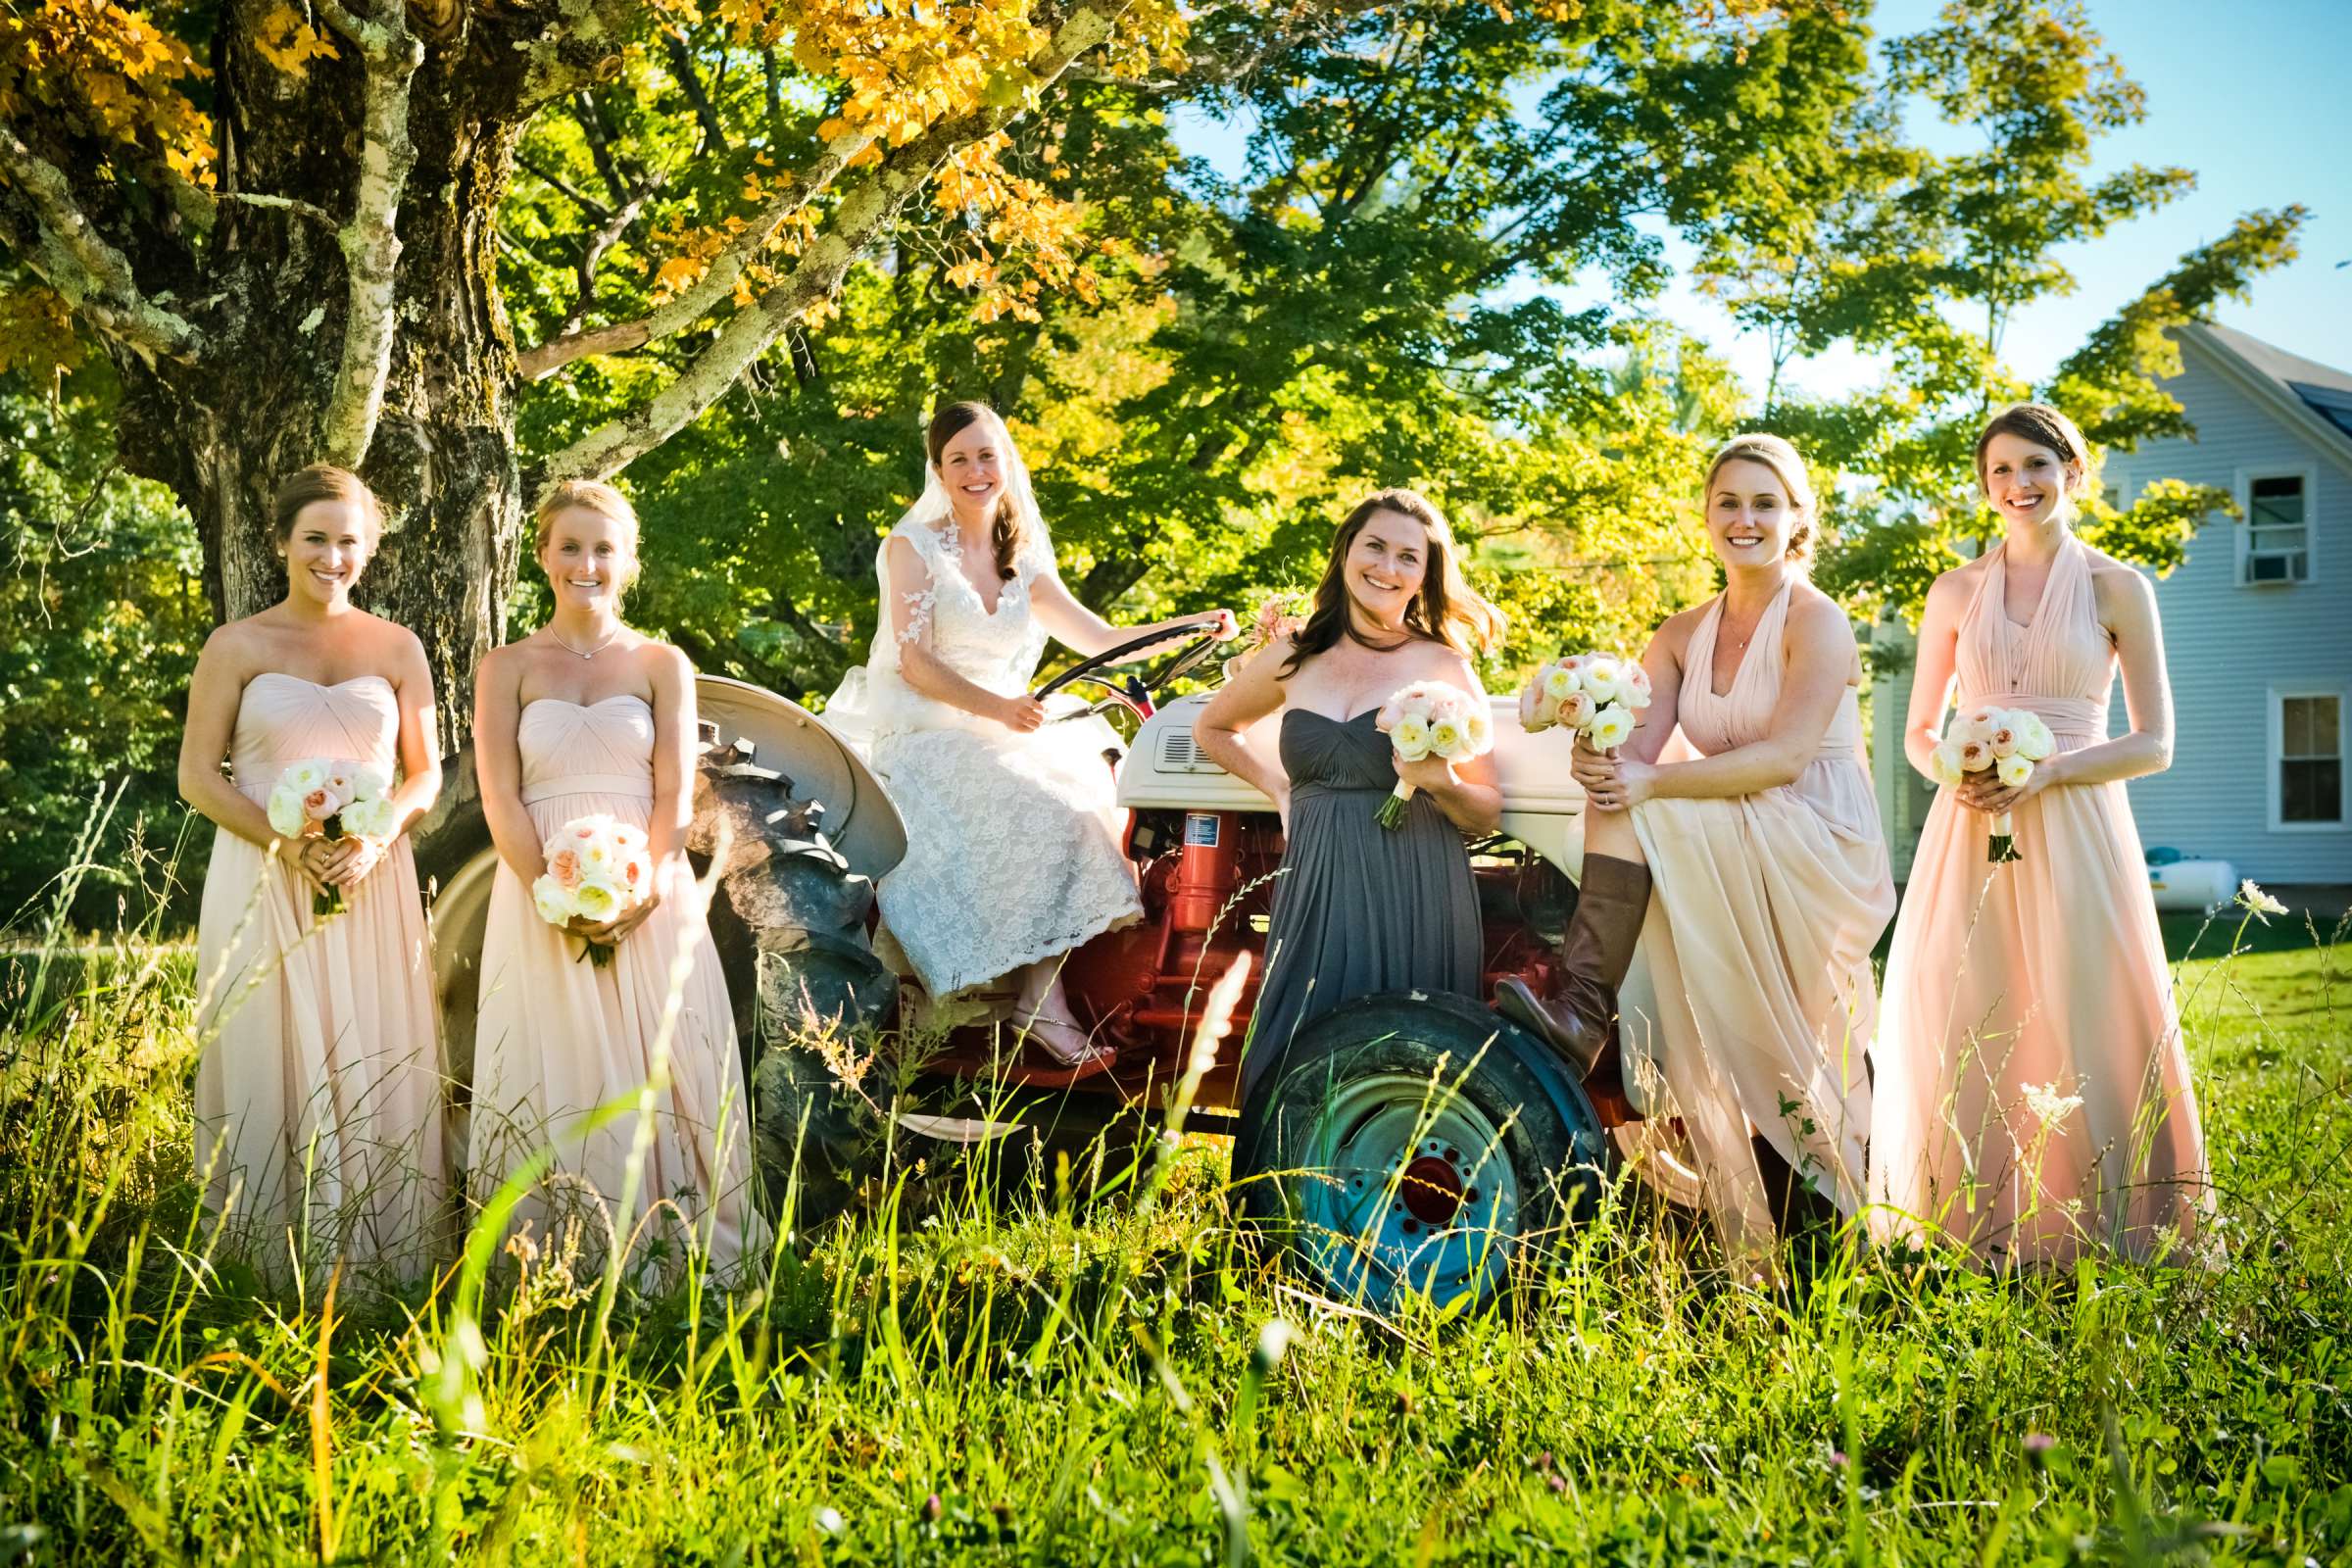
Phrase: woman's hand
(1432, 772)
(1227, 627)
(1613, 782)
(1985, 792)
(350, 859)
(307, 855)
(1021, 714)
(610, 933)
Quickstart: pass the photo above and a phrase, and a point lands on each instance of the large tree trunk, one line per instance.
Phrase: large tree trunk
(443, 457)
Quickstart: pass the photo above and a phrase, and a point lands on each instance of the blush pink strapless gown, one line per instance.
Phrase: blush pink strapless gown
(1754, 1003)
(560, 1036)
(318, 1098)
(2047, 971)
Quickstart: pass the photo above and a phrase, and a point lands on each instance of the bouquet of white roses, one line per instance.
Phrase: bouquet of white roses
(1594, 695)
(2008, 741)
(1430, 718)
(321, 798)
(599, 868)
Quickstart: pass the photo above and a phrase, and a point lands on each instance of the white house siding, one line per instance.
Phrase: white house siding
(2229, 648)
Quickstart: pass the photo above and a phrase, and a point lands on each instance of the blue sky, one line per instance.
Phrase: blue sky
(2251, 97)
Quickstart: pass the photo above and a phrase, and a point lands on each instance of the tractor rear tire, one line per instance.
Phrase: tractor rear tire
(1411, 1145)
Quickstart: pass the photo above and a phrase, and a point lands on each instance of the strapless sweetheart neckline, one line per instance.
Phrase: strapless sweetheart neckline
(319, 685)
(1369, 712)
(617, 696)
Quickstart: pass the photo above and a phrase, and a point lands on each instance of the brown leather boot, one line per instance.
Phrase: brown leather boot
(1580, 1015)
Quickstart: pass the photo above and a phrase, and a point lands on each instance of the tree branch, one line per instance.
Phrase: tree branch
(564, 188)
(715, 286)
(865, 211)
(681, 66)
(72, 258)
(370, 240)
(602, 239)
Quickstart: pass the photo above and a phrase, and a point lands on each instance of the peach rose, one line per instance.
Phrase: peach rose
(320, 803)
(564, 867)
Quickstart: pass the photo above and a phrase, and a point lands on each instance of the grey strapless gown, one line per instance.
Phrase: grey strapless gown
(1359, 909)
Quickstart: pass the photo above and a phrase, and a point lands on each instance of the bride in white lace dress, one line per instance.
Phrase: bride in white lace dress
(1012, 855)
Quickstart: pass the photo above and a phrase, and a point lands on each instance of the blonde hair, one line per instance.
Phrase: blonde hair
(594, 496)
(2045, 427)
(1759, 446)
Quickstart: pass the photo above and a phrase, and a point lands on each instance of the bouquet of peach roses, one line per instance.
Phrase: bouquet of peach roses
(321, 798)
(2008, 741)
(599, 868)
(1594, 695)
(1430, 718)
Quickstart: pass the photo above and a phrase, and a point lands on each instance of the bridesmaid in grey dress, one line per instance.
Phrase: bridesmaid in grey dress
(1360, 908)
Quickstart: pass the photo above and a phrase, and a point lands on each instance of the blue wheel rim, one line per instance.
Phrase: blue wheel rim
(1407, 1191)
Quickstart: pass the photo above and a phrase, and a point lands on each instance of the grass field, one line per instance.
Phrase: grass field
(1017, 1381)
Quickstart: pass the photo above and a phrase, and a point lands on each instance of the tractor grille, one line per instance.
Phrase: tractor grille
(1178, 754)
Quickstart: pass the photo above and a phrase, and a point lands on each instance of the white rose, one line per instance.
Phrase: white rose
(1410, 737)
(1448, 736)
(1479, 728)
(303, 777)
(2034, 738)
(1945, 764)
(1604, 679)
(552, 901)
(1559, 681)
(369, 781)
(286, 816)
(2014, 769)
(599, 853)
(1610, 727)
(597, 900)
(371, 816)
(1976, 725)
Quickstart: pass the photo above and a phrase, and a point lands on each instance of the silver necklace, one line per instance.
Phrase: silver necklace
(583, 654)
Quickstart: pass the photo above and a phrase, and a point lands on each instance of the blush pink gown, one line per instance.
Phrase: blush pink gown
(560, 1036)
(319, 1098)
(2046, 973)
(1756, 1006)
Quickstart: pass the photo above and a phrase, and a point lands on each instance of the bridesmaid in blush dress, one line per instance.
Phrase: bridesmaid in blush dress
(319, 1106)
(2035, 1097)
(1770, 875)
(586, 718)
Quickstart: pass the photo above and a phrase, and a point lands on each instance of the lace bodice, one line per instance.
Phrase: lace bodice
(998, 649)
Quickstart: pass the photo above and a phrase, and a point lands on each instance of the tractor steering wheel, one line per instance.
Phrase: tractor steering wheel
(1136, 692)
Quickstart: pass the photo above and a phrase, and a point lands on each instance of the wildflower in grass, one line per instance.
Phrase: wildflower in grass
(2048, 1105)
(2257, 903)
(1272, 1342)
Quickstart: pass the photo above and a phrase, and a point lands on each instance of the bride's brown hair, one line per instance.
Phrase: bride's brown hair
(1013, 523)
(1446, 610)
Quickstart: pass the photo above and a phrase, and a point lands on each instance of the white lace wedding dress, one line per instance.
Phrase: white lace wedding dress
(1012, 839)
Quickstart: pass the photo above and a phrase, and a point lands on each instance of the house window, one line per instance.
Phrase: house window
(2275, 545)
(2310, 760)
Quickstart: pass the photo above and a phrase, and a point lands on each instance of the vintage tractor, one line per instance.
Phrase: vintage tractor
(1413, 1142)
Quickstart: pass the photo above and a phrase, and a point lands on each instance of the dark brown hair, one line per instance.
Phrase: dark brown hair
(1013, 523)
(322, 481)
(2044, 426)
(1446, 610)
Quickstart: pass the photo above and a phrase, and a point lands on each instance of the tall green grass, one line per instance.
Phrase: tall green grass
(978, 1368)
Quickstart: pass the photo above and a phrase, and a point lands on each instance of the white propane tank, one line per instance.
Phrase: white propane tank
(2192, 884)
